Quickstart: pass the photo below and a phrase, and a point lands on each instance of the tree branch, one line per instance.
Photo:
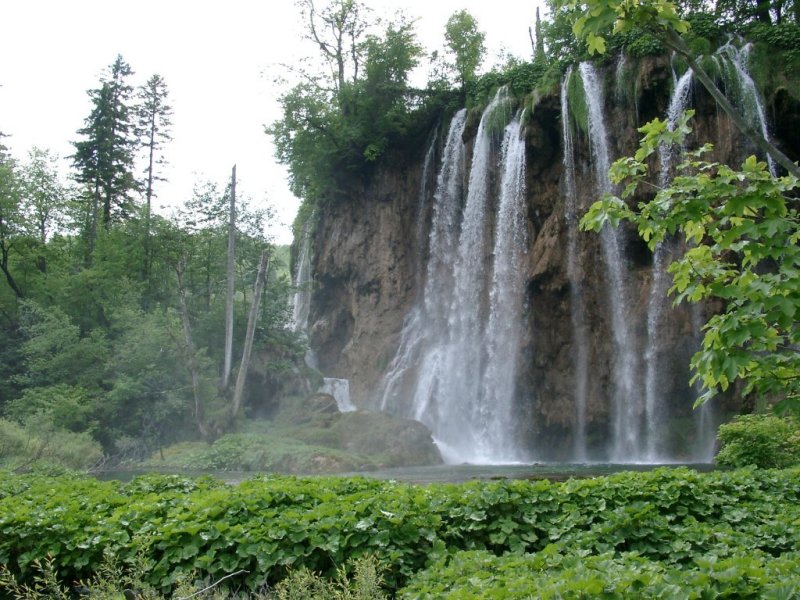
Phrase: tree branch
(674, 42)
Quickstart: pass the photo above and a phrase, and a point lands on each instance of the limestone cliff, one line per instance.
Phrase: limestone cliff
(370, 248)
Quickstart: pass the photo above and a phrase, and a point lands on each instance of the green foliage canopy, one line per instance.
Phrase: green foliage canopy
(467, 44)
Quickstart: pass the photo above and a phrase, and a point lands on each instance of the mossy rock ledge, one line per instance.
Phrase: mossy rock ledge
(387, 441)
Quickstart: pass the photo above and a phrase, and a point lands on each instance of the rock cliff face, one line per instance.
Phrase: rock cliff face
(370, 250)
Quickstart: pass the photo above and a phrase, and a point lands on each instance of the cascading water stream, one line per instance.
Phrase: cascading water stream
(340, 390)
(658, 299)
(415, 365)
(461, 424)
(425, 190)
(749, 98)
(506, 298)
(455, 368)
(301, 302)
(580, 341)
(626, 434)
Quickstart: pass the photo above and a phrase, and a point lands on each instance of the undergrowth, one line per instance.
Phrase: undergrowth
(653, 527)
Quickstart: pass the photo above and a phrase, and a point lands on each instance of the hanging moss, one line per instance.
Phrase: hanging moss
(576, 96)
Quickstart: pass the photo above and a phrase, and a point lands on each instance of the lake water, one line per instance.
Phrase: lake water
(445, 473)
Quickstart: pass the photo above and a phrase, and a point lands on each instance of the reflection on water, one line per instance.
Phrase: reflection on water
(443, 473)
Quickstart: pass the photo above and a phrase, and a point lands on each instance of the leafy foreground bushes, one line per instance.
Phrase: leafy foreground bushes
(762, 440)
(665, 533)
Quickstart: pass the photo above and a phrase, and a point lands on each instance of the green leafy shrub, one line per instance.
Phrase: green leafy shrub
(38, 442)
(551, 574)
(765, 441)
(664, 522)
(706, 25)
(785, 35)
(363, 584)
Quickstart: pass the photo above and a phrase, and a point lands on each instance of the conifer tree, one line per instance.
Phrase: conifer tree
(153, 122)
(104, 157)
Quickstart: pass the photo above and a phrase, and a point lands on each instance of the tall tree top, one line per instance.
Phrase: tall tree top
(466, 42)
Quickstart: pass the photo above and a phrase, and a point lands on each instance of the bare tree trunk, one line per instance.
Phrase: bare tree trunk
(4, 251)
(191, 353)
(674, 42)
(151, 148)
(226, 371)
(238, 391)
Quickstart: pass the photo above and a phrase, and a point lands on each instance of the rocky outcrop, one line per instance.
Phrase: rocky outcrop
(364, 278)
(368, 257)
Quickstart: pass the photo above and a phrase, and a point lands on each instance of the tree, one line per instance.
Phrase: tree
(594, 20)
(331, 129)
(44, 200)
(381, 109)
(742, 230)
(244, 365)
(337, 30)
(466, 42)
(229, 278)
(44, 196)
(104, 158)
(538, 40)
(11, 221)
(153, 121)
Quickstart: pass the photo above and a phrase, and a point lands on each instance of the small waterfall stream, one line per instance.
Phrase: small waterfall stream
(625, 435)
(301, 301)
(340, 390)
(747, 96)
(580, 341)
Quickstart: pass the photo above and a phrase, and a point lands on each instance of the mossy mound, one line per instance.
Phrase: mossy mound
(386, 440)
(308, 436)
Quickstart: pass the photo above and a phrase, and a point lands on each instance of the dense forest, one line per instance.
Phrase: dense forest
(113, 317)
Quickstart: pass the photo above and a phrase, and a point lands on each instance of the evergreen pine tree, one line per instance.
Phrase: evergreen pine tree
(153, 123)
(104, 157)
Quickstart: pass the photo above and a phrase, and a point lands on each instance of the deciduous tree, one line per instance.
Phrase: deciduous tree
(467, 44)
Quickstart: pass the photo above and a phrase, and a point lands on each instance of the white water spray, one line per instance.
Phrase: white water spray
(454, 370)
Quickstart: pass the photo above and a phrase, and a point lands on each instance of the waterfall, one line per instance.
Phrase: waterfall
(340, 390)
(503, 331)
(428, 319)
(706, 419)
(748, 97)
(658, 299)
(580, 341)
(459, 420)
(626, 434)
(424, 193)
(301, 301)
(455, 367)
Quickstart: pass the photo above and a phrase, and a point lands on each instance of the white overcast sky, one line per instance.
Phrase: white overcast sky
(218, 60)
